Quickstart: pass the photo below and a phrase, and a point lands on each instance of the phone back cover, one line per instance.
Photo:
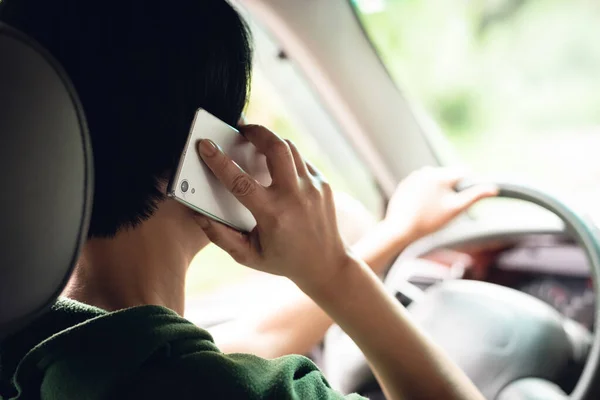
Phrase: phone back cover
(206, 194)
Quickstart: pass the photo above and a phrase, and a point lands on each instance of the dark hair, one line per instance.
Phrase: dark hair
(141, 69)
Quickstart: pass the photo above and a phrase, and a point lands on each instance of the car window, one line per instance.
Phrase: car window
(282, 100)
(513, 84)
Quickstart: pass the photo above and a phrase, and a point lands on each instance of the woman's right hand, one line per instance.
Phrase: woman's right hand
(296, 234)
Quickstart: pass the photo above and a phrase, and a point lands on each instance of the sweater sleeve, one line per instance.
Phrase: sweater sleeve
(209, 374)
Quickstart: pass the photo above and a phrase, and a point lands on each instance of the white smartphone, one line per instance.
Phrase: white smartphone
(194, 185)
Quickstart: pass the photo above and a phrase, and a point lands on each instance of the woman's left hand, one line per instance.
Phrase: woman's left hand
(426, 201)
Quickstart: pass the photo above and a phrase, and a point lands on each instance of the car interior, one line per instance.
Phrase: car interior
(513, 303)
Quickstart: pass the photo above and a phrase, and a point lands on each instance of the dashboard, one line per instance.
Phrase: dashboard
(552, 269)
(549, 267)
(572, 297)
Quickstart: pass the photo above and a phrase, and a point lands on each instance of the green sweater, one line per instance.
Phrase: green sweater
(80, 352)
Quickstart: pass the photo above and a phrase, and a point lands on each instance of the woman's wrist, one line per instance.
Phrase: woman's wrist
(330, 287)
(383, 243)
(398, 234)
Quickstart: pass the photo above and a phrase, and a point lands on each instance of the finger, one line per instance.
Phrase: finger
(301, 167)
(245, 188)
(279, 155)
(235, 243)
(322, 184)
(470, 196)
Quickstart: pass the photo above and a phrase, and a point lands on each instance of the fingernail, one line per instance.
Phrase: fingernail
(207, 148)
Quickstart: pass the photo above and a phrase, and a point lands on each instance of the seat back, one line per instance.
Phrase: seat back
(46, 179)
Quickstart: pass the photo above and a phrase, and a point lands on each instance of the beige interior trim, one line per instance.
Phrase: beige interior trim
(324, 38)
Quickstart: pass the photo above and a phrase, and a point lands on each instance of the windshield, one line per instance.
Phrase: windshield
(513, 84)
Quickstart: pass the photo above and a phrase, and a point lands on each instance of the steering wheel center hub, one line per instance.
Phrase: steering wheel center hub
(495, 334)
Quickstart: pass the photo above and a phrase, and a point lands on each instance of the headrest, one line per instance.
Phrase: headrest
(46, 179)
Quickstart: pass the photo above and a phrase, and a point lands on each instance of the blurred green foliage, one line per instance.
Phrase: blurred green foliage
(514, 84)
(481, 66)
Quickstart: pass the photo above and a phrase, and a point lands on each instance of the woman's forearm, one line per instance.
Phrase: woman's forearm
(407, 364)
(295, 326)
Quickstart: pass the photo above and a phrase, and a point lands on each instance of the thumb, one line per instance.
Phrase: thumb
(472, 195)
(236, 244)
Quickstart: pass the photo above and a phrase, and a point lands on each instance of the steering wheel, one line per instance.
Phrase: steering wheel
(510, 344)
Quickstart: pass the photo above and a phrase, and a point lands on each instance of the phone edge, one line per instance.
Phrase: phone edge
(177, 171)
(207, 214)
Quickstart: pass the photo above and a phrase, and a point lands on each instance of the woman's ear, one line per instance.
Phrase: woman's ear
(162, 183)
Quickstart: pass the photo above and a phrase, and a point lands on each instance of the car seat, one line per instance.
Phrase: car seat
(46, 168)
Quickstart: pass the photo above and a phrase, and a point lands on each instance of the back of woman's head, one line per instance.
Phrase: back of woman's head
(141, 69)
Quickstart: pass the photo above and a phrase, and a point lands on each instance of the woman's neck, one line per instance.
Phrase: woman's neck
(141, 266)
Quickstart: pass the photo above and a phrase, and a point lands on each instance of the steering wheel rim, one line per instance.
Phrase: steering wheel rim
(586, 234)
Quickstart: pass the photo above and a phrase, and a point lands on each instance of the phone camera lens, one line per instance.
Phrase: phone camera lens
(185, 186)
